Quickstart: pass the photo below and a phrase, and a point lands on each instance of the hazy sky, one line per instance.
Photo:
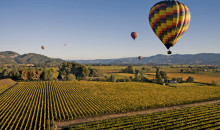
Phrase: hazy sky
(95, 29)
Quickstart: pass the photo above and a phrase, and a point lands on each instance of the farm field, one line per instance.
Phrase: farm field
(5, 84)
(36, 105)
(202, 78)
(167, 68)
(115, 69)
(201, 117)
(109, 69)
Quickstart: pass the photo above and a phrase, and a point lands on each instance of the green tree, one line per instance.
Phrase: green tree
(44, 75)
(164, 77)
(79, 70)
(138, 75)
(129, 70)
(131, 78)
(50, 74)
(95, 72)
(6, 73)
(181, 71)
(71, 77)
(53, 74)
(159, 80)
(15, 74)
(158, 73)
(179, 80)
(190, 79)
(112, 78)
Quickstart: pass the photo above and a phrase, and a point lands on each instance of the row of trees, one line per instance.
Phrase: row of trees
(24, 74)
(68, 71)
(130, 69)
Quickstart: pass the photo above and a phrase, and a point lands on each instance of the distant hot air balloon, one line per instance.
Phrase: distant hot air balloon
(139, 57)
(134, 35)
(42, 47)
(169, 20)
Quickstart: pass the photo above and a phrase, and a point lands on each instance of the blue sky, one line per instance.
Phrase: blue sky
(97, 29)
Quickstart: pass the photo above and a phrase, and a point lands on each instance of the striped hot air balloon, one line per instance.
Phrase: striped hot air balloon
(169, 20)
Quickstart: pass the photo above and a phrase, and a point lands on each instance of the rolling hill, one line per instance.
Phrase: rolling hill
(9, 57)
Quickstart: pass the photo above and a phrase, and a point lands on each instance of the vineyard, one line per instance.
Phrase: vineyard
(202, 117)
(5, 84)
(35, 105)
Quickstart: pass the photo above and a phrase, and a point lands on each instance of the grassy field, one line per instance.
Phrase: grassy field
(168, 69)
(201, 77)
(201, 117)
(5, 84)
(35, 105)
(116, 69)
(109, 69)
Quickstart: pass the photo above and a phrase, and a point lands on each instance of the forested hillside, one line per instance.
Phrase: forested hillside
(9, 57)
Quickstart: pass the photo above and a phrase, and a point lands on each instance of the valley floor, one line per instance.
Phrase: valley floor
(40, 105)
(65, 124)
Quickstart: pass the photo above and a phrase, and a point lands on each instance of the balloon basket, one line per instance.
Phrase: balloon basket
(169, 52)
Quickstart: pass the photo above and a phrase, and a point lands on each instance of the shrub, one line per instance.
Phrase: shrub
(112, 78)
(120, 80)
(129, 70)
(190, 79)
(71, 77)
(95, 73)
(179, 80)
(126, 79)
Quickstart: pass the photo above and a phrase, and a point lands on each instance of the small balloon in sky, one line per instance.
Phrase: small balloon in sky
(134, 35)
(139, 57)
(42, 47)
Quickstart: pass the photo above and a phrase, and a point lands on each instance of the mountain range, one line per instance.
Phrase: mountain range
(9, 57)
(196, 59)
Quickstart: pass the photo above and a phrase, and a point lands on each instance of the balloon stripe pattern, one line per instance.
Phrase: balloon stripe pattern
(169, 21)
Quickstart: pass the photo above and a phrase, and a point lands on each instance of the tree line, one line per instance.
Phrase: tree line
(67, 71)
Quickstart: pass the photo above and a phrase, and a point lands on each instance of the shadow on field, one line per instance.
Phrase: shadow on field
(8, 89)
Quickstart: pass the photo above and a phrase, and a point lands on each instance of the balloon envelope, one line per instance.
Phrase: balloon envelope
(169, 20)
(139, 57)
(42, 47)
(134, 35)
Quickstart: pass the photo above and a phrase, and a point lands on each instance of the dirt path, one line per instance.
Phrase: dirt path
(63, 124)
